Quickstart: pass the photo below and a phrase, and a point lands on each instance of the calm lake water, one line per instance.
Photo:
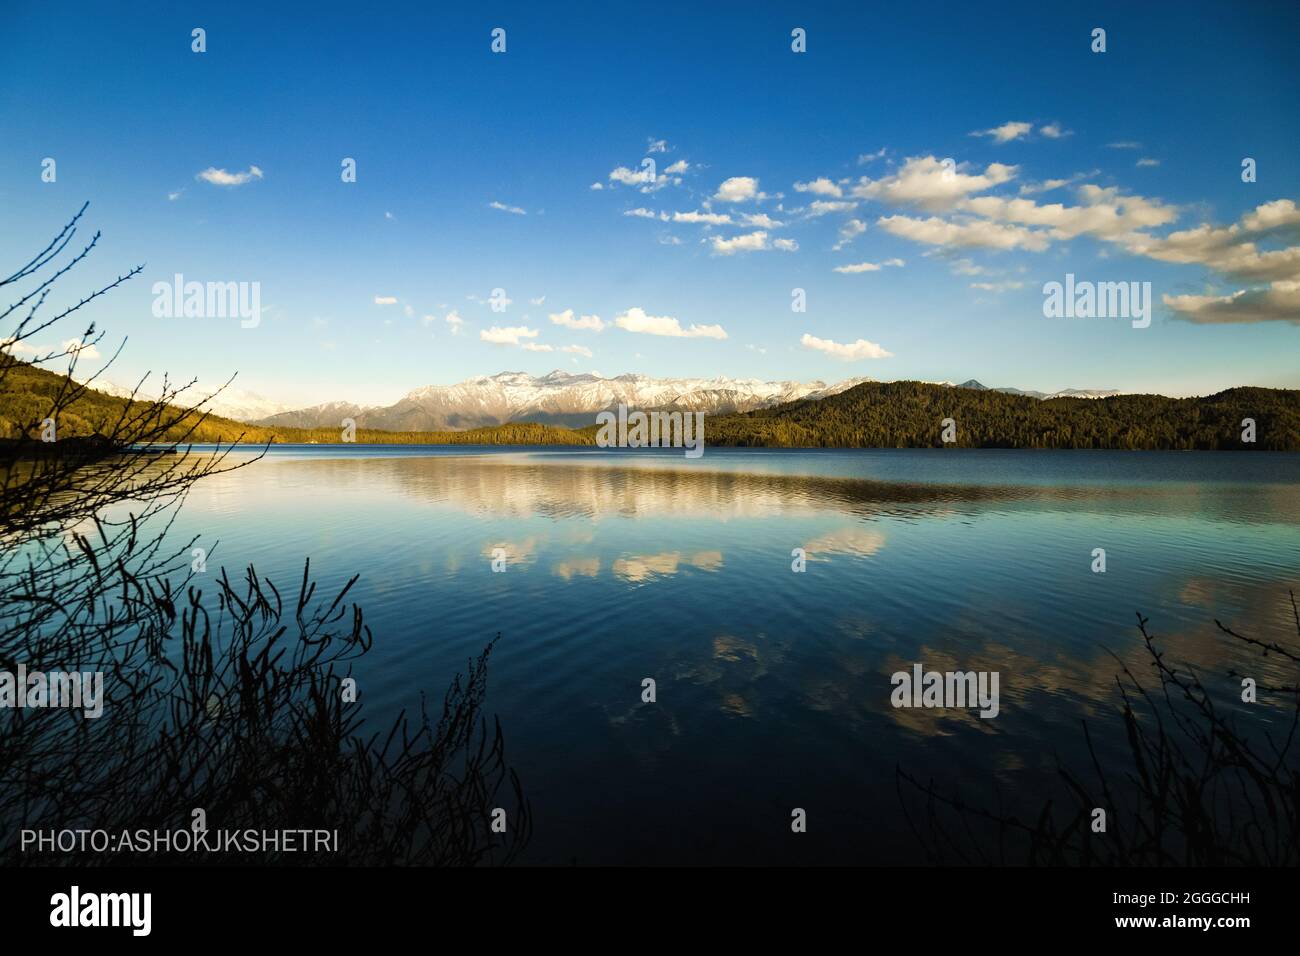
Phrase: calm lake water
(773, 687)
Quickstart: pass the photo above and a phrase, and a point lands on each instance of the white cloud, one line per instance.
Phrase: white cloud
(1054, 131)
(385, 300)
(173, 196)
(822, 207)
(1233, 252)
(978, 234)
(1128, 145)
(848, 232)
(711, 218)
(762, 220)
(504, 208)
(749, 242)
(1278, 215)
(577, 350)
(643, 179)
(785, 245)
(869, 266)
(641, 213)
(636, 320)
(850, 352)
(1048, 185)
(929, 183)
(864, 158)
(677, 168)
(657, 145)
(1278, 302)
(566, 319)
(88, 351)
(535, 347)
(510, 335)
(997, 222)
(628, 177)
(1103, 214)
(219, 177)
(997, 286)
(738, 189)
(596, 186)
(820, 187)
(1007, 132)
(1147, 161)
(454, 321)
(537, 301)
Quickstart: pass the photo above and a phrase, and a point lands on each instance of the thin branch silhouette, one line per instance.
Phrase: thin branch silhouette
(218, 696)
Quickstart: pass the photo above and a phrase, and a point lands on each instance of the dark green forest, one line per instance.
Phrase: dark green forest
(908, 415)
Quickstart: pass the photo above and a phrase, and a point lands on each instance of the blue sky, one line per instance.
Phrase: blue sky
(441, 128)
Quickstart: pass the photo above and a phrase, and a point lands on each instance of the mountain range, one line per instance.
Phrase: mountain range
(1063, 393)
(904, 414)
(559, 398)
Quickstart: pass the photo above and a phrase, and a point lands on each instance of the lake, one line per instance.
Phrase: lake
(773, 687)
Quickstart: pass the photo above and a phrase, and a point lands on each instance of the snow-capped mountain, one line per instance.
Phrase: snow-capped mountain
(1075, 393)
(1063, 393)
(241, 405)
(566, 399)
(560, 398)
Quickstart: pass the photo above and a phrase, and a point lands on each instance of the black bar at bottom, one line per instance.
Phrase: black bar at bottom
(218, 904)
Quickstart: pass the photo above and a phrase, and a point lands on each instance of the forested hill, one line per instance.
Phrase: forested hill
(909, 415)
